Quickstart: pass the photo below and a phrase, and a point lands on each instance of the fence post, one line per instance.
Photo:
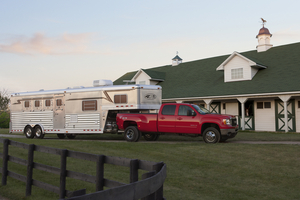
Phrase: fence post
(134, 173)
(159, 193)
(5, 161)
(100, 173)
(63, 173)
(148, 175)
(29, 169)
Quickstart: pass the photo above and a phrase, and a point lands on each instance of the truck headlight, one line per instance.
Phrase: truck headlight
(226, 121)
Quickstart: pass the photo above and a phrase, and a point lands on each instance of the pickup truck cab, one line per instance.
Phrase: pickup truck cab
(178, 118)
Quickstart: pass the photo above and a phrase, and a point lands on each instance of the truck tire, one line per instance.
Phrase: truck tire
(38, 132)
(132, 134)
(211, 135)
(151, 137)
(61, 136)
(28, 132)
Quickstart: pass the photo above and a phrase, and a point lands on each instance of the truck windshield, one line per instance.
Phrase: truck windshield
(201, 109)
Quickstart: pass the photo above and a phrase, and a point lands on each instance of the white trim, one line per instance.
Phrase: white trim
(251, 63)
(138, 73)
(231, 96)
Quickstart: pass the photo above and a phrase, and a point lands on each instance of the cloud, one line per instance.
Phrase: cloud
(39, 43)
(286, 36)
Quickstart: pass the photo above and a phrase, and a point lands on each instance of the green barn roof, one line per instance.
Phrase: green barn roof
(201, 79)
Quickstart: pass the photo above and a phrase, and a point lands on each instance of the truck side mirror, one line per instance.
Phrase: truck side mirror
(191, 113)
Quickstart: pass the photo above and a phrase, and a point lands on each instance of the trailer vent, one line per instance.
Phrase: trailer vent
(98, 83)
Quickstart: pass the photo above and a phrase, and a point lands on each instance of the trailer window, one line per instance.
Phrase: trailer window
(26, 104)
(48, 103)
(168, 110)
(58, 102)
(37, 103)
(120, 98)
(89, 105)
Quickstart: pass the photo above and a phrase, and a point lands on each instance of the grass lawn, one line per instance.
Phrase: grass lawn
(195, 170)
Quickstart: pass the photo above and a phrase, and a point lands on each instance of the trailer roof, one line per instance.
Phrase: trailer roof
(87, 89)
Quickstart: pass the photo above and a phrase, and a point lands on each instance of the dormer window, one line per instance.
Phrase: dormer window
(237, 73)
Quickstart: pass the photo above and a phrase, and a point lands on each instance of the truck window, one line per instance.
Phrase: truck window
(168, 110)
(183, 110)
(120, 98)
(89, 105)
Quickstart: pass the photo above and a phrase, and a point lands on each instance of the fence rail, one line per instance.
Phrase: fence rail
(149, 188)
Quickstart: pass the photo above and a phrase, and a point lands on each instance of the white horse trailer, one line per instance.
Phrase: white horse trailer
(92, 110)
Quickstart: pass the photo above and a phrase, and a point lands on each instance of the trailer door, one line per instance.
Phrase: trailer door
(59, 112)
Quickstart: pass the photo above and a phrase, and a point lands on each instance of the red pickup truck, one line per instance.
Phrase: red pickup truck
(178, 118)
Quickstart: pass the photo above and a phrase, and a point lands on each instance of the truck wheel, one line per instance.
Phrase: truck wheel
(211, 135)
(71, 136)
(61, 136)
(151, 137)
(132, 134)
(38, 132)
(28, 132)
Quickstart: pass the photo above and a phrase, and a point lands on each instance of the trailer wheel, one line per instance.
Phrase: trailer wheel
(38, 132)
(28, 132)
(61, 136)
(211, 135)
(132, 134)
(151, 137)
(71, 136)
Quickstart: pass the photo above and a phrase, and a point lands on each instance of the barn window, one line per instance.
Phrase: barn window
(26, 104)
(237, 73)
(48, 103)
(89, 105)
(37, 103)
(260, 105)
(120, 98)
(267, 104)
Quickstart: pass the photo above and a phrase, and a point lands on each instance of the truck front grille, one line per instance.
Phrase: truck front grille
(233, 121)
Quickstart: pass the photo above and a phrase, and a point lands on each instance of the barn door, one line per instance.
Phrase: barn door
(215, 108)
(279, 113)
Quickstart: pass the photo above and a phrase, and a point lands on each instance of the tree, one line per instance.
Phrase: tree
(4, 112)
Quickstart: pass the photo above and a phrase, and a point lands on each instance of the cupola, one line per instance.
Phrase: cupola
(264, 37)
(176, 60)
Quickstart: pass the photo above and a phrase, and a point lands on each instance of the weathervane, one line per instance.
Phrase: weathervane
(263, 22)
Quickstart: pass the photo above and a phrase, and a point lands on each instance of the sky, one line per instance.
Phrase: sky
(70, 43)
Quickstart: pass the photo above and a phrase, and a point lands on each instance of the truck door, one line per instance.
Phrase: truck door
(185, 123)
(166, 119)
(59, 112)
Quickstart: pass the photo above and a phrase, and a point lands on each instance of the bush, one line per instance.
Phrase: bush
(4, 120)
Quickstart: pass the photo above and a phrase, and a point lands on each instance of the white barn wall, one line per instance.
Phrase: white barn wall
(265, 118)
(143, 77)
(232, 109)
(238, 62)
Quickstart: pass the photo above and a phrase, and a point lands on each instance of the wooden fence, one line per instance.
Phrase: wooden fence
(149, 188)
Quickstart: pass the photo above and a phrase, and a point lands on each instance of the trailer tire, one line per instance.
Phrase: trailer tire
(61, 136)
(132, 134)
(28, 132)
(151, 137)
(71, 136)
(38, 132)
(211, 135)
